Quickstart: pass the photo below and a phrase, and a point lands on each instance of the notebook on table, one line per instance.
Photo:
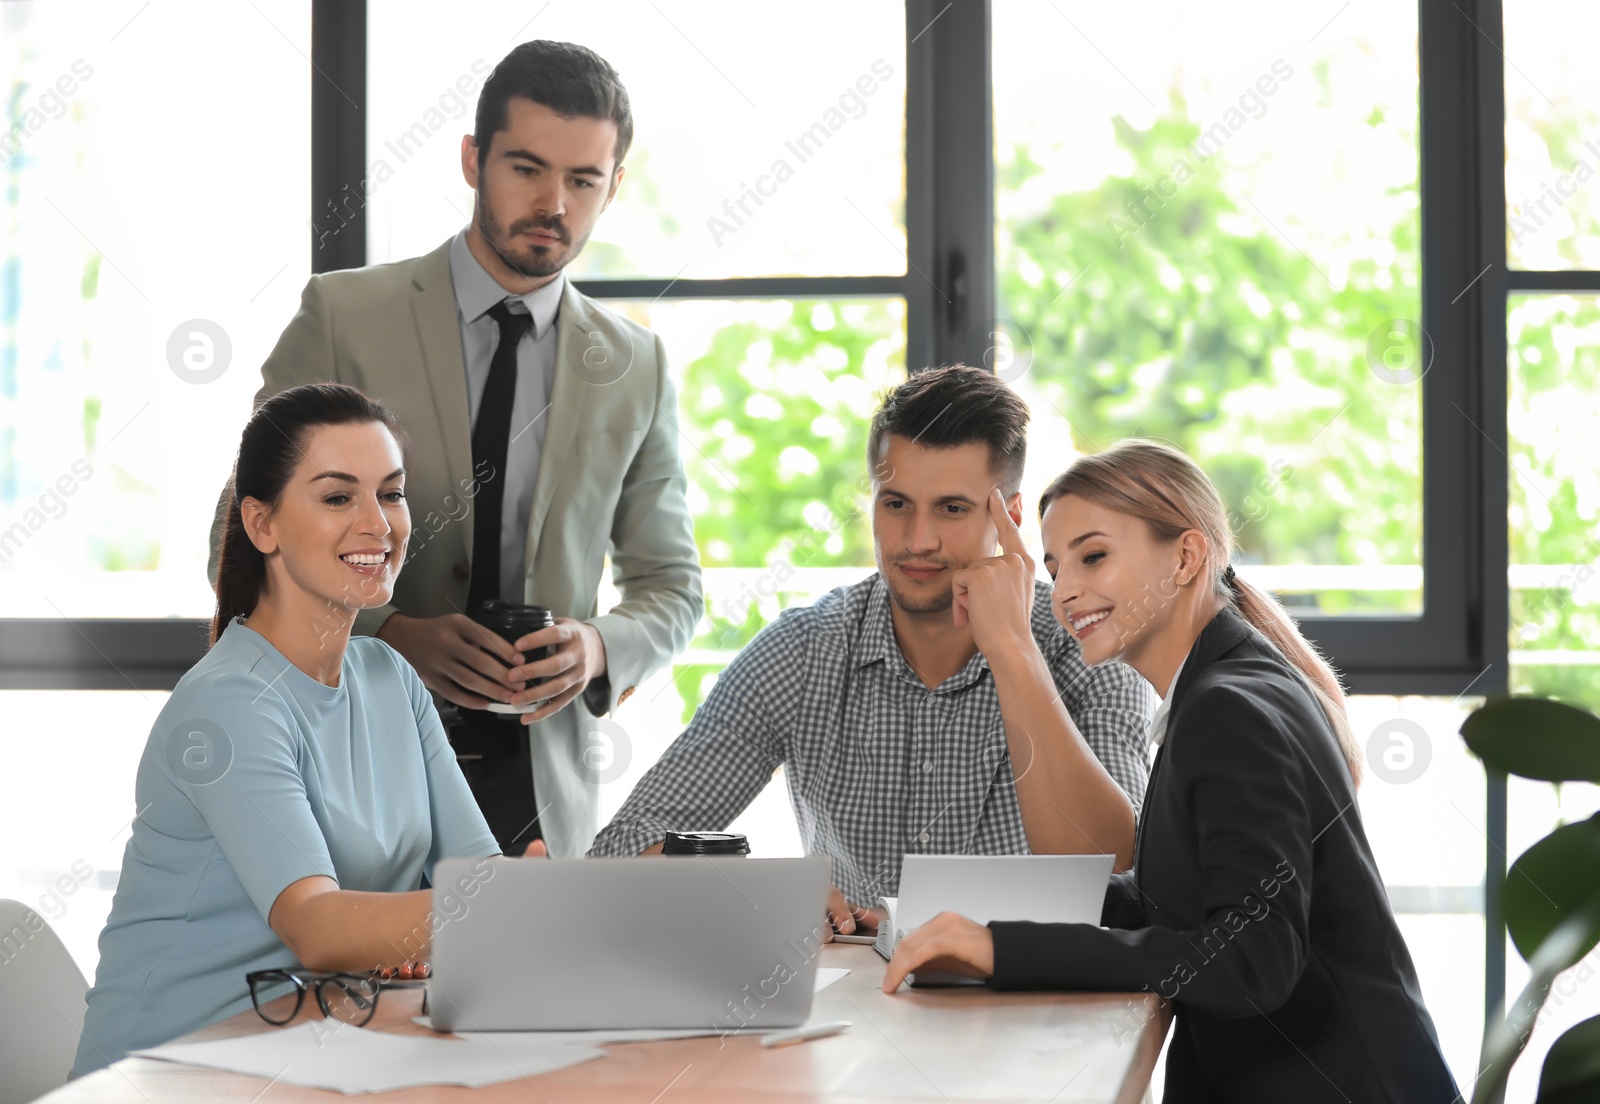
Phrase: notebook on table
(1060, 889)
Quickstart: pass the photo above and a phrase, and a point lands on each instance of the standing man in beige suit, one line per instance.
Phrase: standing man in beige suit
(544, 434)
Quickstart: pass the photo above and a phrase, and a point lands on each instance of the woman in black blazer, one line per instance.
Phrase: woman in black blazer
(1254, 903)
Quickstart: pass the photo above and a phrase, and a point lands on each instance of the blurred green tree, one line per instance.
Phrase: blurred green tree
(1154, 304)
(1157, 307)
(779, 426)
(1554, 357)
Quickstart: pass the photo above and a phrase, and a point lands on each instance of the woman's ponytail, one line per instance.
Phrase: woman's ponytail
(241, 568)
(1267, 615)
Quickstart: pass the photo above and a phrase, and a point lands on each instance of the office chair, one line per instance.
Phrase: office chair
(42, 999)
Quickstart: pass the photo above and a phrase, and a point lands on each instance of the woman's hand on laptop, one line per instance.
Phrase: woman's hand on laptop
(949, 942)
(848, 919)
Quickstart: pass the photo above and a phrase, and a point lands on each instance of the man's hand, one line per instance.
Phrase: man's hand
(996, 594)
(948, 942)
(448, 652)
(848, 919)
(580, 658)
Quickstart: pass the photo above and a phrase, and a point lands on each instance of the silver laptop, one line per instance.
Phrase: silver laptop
(1059, 889)
(1056, 889)
(657, 942)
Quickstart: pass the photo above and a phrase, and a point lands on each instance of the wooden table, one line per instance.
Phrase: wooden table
(918, 1045)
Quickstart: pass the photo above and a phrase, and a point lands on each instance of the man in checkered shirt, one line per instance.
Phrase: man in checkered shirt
(908, 710)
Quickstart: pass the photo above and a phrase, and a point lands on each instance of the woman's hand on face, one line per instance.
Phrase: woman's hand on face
(949, 942)
(996, 594)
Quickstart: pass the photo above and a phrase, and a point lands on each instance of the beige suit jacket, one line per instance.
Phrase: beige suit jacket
(610, 480)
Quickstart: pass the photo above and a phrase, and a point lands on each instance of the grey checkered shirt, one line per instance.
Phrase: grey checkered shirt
(878, 765)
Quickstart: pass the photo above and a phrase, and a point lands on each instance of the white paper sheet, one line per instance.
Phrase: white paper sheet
(352, 1060)
(827, 975)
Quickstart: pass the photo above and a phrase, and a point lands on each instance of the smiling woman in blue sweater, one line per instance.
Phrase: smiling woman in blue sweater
(298, 784)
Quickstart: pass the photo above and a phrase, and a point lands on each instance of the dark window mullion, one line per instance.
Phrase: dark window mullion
(1575, 282)
(98, 654)
(338, 222)
(1460, 636)
(749, 287)
(1483, 53)
(950, 279)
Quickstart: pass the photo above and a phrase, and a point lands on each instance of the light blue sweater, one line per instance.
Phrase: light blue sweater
(257, 775)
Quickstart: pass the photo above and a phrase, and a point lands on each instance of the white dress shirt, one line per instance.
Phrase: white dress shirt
(1158, 721)
(477, 291)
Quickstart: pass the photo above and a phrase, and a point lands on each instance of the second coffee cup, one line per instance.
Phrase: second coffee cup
(512, 622)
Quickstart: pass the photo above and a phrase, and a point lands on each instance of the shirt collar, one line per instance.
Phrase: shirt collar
(877, 627)
(877, 642)
(477, 291)
(1158, 721)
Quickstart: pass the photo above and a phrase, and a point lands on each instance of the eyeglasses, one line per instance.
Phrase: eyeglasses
(351, 998)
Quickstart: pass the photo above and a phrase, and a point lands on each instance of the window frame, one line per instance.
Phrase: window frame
(1459, 642)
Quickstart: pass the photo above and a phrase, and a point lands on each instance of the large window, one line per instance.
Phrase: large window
(154, 245)
(764, 145)
(1168, 268)
(1213, 235)
(1552, 422)
(1552, 158)
(1552, 92)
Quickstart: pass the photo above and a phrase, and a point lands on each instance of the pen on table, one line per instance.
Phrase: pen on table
(818, 1030)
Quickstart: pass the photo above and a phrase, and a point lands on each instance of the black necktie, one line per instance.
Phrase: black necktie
(490, 438)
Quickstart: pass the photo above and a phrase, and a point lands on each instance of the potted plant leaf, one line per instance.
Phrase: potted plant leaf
(1552, 891)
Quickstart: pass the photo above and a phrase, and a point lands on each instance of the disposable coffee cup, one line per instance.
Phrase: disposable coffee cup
(705, 843)
(511, 622)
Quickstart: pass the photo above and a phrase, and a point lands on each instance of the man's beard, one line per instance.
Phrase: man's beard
(933, 603)
(533, 261)
(910, 603)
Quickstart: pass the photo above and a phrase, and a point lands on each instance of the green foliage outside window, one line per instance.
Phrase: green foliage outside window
(1158, 304)
(1192, 320)
(776, 455)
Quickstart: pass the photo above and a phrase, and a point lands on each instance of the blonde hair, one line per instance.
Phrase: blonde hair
(1162, 487)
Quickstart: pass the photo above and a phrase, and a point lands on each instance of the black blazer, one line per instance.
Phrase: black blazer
(1254, 904)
